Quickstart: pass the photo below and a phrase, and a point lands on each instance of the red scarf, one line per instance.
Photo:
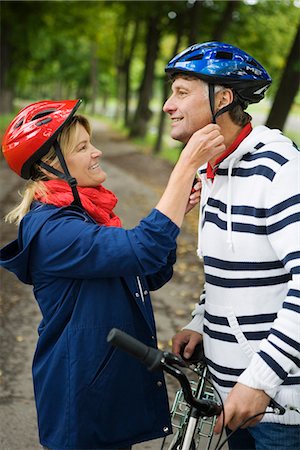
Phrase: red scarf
(97, 201)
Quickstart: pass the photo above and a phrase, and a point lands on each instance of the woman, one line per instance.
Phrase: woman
(90, 275)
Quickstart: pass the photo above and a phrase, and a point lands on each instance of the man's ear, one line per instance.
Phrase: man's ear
(224, 98)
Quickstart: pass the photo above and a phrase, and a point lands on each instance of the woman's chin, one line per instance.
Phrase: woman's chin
(100, 178)
(95, 182)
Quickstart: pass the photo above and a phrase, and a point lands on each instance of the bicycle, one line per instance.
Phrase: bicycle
(199, 407)
(194, 410)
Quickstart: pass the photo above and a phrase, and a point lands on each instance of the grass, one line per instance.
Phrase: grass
(5, 120)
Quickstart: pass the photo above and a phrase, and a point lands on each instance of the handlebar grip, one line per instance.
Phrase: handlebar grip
(149, 356)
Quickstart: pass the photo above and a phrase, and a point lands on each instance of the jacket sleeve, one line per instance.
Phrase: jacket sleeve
(279, 354)
(158, 279)
(68, 246)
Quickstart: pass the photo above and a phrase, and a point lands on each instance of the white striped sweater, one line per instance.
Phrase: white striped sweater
(249, 239)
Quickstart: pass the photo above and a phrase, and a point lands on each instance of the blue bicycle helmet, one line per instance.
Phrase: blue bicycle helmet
(224, 64)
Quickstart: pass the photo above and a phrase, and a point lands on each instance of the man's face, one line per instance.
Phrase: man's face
(188, 107)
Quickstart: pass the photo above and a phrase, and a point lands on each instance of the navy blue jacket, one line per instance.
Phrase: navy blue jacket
(88, 279)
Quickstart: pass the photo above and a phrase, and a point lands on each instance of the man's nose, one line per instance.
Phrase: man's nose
(169, 105)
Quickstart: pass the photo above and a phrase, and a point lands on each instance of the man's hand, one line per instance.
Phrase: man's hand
(185, 340)
(194, 198)
(242, 402)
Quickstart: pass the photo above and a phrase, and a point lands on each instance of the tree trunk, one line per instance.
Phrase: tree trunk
(94, 77)
(6, 93)
(288, 87)
(143, 112)
(120, 58)
(162, 116)
(127, 66)
(194, 21)
(225, 20)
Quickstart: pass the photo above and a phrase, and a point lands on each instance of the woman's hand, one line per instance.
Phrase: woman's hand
(195, 196)
(204, 145)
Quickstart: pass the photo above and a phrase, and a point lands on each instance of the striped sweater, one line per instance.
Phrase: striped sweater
(249, 239)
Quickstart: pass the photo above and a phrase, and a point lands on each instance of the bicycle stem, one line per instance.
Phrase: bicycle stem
(205, 407)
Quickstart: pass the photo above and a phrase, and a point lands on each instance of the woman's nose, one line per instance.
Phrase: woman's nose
(96, 153)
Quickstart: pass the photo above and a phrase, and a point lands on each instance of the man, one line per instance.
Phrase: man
(249, 239)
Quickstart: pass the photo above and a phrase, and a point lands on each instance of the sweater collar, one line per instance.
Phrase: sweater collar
(211, 171)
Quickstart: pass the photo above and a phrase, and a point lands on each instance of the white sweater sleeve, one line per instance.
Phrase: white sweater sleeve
(279, 354)
(196, 324)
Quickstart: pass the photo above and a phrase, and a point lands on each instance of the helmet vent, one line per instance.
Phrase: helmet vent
(43, 113)
(44, 121)
(224, 55)
(195, 57)
(19, 123)
(253, 63)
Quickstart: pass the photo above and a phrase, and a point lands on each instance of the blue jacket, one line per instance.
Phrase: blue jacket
(88, 279)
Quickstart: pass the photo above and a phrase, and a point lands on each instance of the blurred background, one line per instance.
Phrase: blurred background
(112, 54)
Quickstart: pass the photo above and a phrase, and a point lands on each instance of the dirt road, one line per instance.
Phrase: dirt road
(138, 181)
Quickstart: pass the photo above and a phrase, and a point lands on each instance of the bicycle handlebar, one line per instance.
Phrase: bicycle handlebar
(154, 359)
(147, 355)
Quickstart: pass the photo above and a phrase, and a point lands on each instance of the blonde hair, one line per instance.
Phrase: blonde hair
(67, 141)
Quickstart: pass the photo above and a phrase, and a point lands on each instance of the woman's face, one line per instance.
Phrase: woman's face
(83, 161)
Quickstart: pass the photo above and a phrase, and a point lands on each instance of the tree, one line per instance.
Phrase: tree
(143, 112)
(127, 41)
(165, 89)
(6, 88)
(70, 48)
(288, 87)
(225, 20)
(193, 14)
(127, 72)
(18, 22)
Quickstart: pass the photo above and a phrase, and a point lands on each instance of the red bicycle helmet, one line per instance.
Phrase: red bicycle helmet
(33, 131)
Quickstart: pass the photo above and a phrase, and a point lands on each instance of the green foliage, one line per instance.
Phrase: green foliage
(5, 120)
(52, 43)
(266, 29)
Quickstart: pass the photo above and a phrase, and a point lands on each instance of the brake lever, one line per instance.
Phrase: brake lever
(172, 359)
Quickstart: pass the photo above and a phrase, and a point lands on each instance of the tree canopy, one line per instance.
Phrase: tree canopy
(103, 50)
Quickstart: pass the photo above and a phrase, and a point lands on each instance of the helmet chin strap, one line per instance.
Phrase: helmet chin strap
(211, 90)
(65, 175)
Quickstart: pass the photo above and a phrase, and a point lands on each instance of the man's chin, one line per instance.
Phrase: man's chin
(178, 137)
